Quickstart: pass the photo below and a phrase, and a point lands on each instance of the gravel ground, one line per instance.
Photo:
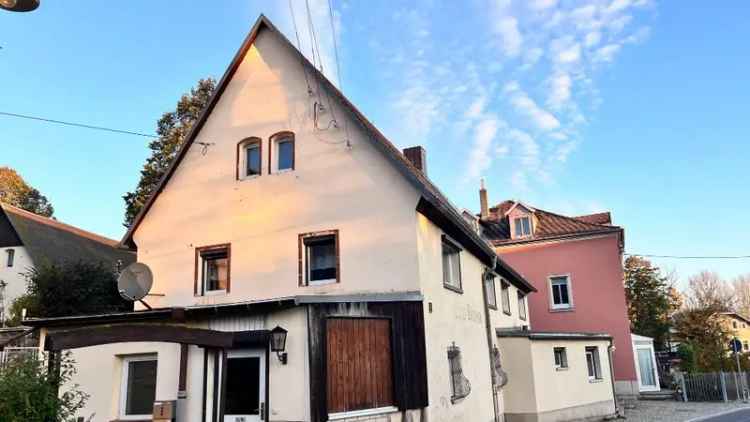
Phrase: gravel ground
(673, 411)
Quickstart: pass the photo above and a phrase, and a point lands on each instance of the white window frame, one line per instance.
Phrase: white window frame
(126, 360)
(517, 222)
(10, 257)
(275, 141)
(523, 311)
(244, 146)
(593, 351)
(455, 285)
(560, 307)
(564, 358)
(491, 291)
(505, 296)
(202, 271)
(306, 279)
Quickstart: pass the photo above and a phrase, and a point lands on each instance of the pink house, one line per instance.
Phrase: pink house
(575, 263)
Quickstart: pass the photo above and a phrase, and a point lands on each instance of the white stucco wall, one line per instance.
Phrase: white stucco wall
(354, 190)
(458, 318)
(15, 282)
(100, 370)
(536, 386)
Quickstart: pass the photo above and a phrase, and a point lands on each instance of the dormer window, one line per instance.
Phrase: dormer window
(522, 226)
(282, 152)
(249, 158)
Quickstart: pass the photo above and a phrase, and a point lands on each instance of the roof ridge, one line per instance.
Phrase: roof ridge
(598, 226)
(58, 224)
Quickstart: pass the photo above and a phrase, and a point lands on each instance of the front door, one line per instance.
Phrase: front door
(647, 369)
(245, 394)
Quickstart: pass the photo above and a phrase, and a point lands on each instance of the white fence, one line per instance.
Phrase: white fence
(10, 353)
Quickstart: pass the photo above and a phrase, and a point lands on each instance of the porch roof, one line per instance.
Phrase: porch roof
(551, 335)
(181, 314)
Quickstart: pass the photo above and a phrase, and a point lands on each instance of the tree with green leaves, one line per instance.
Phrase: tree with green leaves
(70, 288)
(172, 130)
(15, 191)
(29, 392)
(650, 300)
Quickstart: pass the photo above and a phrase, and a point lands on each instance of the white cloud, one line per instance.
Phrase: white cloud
(538, 117)
(592, 39)
(540, 5)
(560, 90)
(606, 53)
(476, 108)
(480, 158)
(510, 36)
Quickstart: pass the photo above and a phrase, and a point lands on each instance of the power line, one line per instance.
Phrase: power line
(335, 45)
(689, 256)
(83, 125)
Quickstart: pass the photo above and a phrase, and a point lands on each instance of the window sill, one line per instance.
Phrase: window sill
(507, 313)
(493, 307)
(595, 380)
(568, 309)
(214, 293)
(321, 282)
(361, 413)
(456, 399)
(280, 172)
(453, 288)
(561, 368)
(255, 176)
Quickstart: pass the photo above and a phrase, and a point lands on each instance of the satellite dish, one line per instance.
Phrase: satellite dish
(135, 281)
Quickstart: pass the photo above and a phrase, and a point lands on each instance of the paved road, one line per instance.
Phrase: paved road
(738, 416)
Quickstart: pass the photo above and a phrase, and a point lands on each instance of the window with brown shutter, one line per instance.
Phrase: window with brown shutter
(359, 364)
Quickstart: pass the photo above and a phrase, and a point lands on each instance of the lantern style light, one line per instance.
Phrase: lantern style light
(278, 343)
(19, 5)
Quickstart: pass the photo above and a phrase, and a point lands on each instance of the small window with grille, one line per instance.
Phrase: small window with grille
(460, 386)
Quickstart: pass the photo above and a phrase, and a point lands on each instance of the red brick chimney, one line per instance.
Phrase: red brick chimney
(418, 157)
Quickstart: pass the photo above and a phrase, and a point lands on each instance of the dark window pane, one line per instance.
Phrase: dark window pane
(11, 255)
(564, 294)
(286, 154)
(252, 158)
(243, 386)
(141, 387)
(519, 232)
(215, 269)
(556, 295)
(321, 258)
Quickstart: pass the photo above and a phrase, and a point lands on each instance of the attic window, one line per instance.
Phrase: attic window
(522, 226)
(282, 148)
(249, 158)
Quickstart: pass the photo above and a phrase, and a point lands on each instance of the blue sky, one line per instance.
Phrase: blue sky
(639, 107)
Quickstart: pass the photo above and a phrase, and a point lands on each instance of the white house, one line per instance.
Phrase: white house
(27, 239)
(286, 211)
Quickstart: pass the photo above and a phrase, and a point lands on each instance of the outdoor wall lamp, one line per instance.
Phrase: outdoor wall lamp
(19, 5)
(278, 343)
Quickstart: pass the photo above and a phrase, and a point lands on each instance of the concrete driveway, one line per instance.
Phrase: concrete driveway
(673, 411)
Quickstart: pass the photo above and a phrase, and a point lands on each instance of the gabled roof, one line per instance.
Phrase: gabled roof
(737, 316)
(548, 225)
(433, 203)
(51, 241)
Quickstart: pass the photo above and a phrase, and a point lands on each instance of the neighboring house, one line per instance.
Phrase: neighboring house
(739, 327)
(28, 239)
(575, 263)
(307, 270)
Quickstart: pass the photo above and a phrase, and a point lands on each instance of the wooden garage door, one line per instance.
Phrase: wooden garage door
(360, 374)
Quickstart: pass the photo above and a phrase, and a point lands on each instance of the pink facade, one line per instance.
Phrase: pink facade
(594, 267)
